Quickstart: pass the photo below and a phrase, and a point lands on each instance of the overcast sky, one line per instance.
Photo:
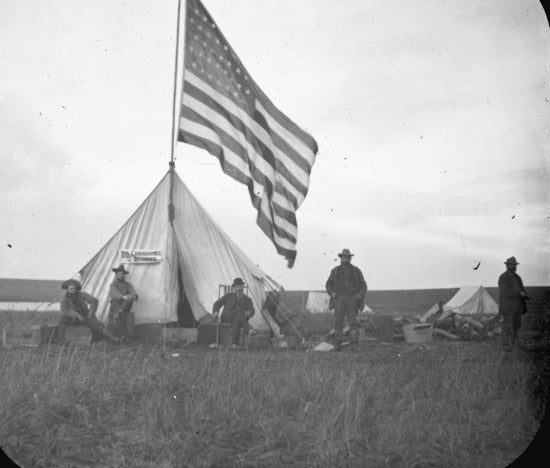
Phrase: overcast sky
(432, 119)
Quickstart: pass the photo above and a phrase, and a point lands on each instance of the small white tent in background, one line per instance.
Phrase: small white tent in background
(468, 300)
(177, 256)
(317, 302)
(471, 300)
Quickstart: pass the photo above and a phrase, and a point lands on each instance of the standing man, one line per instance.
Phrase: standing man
(512, 297)
(79, 308)
(237, 309)
(122, 295)
(346, 288)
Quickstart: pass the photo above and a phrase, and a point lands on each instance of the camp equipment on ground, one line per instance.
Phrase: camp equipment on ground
(418, 333)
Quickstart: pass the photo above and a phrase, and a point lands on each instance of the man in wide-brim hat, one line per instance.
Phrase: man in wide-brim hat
(512, 297)
(123, 295)
(237, 309)
(79, 308)
(346, 287)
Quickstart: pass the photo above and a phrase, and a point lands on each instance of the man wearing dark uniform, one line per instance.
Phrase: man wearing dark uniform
(237, 309)
(123, 295)
(346, 288)
(512, 297)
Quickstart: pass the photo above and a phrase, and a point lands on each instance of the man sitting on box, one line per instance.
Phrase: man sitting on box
(122, 295)
(74, 309)
(237, 310)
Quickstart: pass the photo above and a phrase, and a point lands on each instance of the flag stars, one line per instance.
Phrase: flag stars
(238, 70)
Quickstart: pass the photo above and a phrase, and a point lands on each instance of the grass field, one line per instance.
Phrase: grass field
(380, 405)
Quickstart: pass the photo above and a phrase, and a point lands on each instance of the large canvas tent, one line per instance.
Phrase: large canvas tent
(178, 257)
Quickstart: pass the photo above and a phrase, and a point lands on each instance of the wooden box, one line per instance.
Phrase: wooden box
(125, 325)
(206, 333)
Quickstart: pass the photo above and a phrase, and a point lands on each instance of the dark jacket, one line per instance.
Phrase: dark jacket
(79, 303)
(347, 281)
(234, 306)
(510, 286)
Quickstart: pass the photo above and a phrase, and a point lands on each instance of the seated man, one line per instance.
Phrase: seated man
(237, 309)
(74, 310)
(122, 295)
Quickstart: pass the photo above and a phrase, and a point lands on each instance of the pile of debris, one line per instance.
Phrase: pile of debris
(449, 325)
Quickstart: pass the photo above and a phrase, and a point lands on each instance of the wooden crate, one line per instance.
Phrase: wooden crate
(206, 333)
(124, 325)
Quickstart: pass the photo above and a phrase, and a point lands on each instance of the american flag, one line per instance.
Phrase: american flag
(226, 113)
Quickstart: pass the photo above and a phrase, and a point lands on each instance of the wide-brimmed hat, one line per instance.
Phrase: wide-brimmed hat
(120, 268)
(238, 282)
(511, 261)
(71, 282)
(345, 253)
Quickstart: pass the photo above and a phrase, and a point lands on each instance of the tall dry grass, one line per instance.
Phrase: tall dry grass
(386, 406)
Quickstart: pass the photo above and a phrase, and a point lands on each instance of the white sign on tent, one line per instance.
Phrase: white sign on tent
(140, 256)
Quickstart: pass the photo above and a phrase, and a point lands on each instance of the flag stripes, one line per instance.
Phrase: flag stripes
(224, 112)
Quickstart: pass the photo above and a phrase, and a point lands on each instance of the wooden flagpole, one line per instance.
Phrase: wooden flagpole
(172, 164)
